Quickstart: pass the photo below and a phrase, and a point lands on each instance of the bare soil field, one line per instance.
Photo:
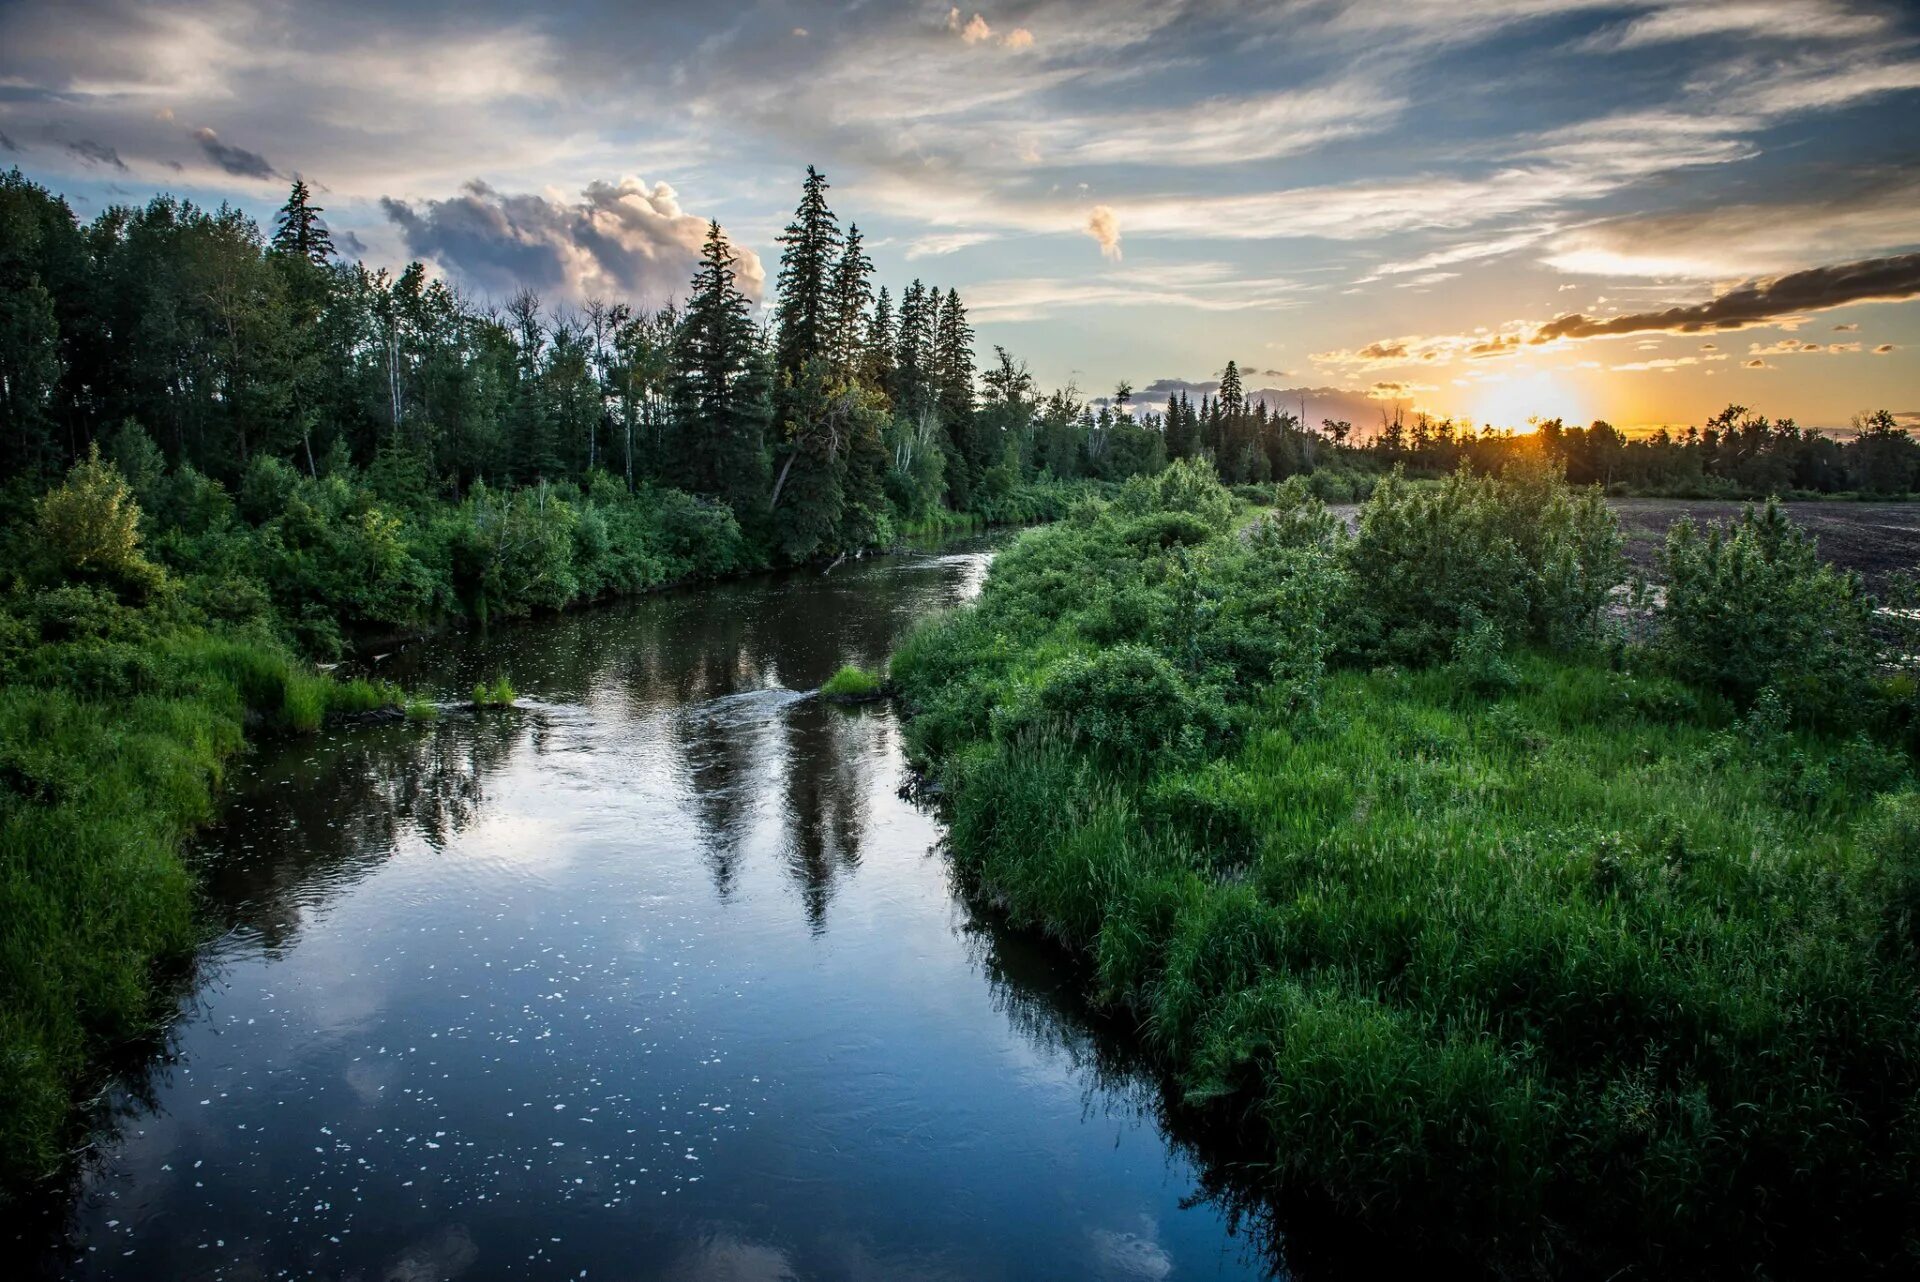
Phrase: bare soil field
(1875, 539)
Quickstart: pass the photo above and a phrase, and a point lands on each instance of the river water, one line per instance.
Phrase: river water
(654, 976)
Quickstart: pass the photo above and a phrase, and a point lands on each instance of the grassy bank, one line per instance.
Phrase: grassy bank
(1487, 927)
(122, 696)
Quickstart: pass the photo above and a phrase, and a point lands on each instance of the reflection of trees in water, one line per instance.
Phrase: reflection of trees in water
(318, 818)
(829, 751)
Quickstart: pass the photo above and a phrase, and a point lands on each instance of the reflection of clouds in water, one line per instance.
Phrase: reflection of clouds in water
(727, 1259)
(369, 1078)
(1118, 1254)
(445, 1255)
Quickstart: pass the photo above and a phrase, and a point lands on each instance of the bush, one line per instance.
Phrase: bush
(1521, 553)
(89, 526)
(1127, 706)
(1751, 606)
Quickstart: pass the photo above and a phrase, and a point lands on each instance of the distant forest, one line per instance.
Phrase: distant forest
(844, 415)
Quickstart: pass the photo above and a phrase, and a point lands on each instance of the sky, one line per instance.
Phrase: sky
(1637, 210)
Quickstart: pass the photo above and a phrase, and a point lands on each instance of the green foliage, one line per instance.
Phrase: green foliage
(1752, 606)
(1516, 947)
(1519, 553)
(851, 682)
(115, 722)
(90, 527)
(498, 695)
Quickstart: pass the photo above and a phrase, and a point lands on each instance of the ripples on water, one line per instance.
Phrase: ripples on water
(655, 976)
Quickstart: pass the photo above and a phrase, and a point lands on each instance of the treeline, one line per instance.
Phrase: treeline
(850, 413)
(1737, 453)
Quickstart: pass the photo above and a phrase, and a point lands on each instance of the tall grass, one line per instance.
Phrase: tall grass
(111, 747)
(1522, 949)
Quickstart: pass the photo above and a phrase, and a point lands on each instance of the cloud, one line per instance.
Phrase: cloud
(1845, 219)
(1018, 38)
(1666, 363)
(94, 153)
(1872, 280)
(1104, 227)
(627, 240)
(1209, 287)
(973, 30)
(942, 243)
(1780, 300)
(1757, 363)
(1847, 328)
(1884, 349)
(237, 161)
(1769, 19)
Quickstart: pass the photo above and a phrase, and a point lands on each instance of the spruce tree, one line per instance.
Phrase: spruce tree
(851, 294)
(879, 346)
(911, 347)
(718, 402)
(812, 241)
(299, 233)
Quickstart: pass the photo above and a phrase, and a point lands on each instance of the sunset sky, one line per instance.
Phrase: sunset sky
(1640, 211)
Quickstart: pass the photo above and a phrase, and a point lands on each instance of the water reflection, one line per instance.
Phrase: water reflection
(654, 976)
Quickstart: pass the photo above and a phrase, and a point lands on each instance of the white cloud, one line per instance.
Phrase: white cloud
(627, 240)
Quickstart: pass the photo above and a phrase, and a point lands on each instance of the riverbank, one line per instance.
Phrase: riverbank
(127, 684)
(1543, 956)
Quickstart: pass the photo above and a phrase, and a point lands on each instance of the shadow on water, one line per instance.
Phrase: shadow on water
(655, 975)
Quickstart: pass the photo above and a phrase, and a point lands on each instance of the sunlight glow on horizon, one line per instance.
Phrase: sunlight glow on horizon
(1511, 401)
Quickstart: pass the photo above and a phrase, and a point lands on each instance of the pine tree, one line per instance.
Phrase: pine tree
(880, 338)
(1232, 400)
(911, 347)
(812, 241)
(299, 232)
(953, 372)
(719, 404)
(851, 294)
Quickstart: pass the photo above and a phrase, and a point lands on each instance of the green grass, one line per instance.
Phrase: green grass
(498, 695)
(111, 749)
(1575, 965)
(851, 682)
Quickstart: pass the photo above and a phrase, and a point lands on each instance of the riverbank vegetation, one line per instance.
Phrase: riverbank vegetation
(1457, 907)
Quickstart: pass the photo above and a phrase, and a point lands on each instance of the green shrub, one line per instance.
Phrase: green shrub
(1521, 553)
(1751, 606)
(1127, 705)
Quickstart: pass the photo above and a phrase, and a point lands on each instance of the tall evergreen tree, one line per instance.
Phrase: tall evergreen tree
(812, 240)
(1232, 400)
(299, 233)
(720, 403)
(912, 346)
(850, 296)
(880, 338)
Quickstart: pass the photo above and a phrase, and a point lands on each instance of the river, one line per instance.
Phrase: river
(656, 975)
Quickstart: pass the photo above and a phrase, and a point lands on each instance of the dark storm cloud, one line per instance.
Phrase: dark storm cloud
(8, 144)
(237, 161)
(1870, 280)
(622, 240)
(96, 153)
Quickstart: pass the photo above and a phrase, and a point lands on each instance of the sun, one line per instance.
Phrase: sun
(1511, 401)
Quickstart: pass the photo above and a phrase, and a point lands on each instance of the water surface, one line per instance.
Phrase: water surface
(656, 976)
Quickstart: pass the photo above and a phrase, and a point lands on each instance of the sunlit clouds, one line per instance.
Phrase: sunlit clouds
(1481, 181)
